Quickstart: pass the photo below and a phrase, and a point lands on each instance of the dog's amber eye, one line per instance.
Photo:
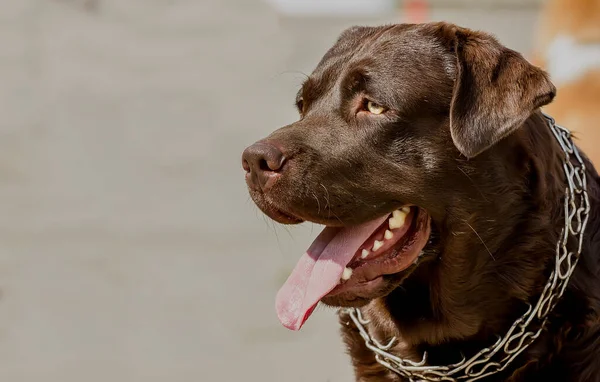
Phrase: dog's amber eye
(374, 108)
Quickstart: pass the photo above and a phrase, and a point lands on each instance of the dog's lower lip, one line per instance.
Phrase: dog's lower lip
(276, 213)
(279, 215)
(365, 287)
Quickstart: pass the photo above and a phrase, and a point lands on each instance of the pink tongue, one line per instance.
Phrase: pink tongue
(319, 271)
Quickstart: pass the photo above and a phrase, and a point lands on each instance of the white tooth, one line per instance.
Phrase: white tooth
(364, 254)
(399, 214)
(388, 234)
(406, 209)
(394, 223)
(347, 274)
(378, 244)
(397, 219)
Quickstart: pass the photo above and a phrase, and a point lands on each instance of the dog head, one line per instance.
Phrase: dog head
(408, 150)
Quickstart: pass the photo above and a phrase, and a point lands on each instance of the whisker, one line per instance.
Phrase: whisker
(264, 218)
(286, 229)
(318, 203)
(480, 239)
(327, 200)
(276, 236)
(473, 183)
(290, 72)
(337, 217)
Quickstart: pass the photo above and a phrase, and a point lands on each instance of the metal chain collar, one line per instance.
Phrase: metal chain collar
(496, 358)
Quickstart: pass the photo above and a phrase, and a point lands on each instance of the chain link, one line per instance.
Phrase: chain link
(530, 325)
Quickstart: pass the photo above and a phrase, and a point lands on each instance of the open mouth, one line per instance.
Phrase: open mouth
(393, 247)
(352, 259)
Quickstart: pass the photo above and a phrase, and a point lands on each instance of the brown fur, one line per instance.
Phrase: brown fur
(463, 138)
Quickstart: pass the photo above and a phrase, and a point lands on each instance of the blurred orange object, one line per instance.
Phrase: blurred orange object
(416, 11)
(568, 47)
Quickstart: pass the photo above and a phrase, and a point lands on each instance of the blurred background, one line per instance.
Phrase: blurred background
(129, 248)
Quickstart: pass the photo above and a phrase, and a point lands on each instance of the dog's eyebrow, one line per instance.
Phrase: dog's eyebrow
(360, 81)
(312, 89)
(308, 89)
(355, 80)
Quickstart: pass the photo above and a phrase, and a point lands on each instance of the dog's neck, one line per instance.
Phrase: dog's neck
(569, 60)
(472, 297)
(447, 313)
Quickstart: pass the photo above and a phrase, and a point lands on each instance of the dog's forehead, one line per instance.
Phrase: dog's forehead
(357, 43)
(360, 39)
(393, 54)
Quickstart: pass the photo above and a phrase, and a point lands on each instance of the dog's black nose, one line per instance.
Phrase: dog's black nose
(262, 162)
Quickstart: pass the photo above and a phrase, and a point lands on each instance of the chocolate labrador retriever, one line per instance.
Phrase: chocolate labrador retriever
(456, 241)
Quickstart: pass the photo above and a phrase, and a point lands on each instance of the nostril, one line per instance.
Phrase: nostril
(264, 165)
(246, 165)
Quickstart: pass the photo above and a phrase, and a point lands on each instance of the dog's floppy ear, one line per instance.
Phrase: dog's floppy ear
(495, 90)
